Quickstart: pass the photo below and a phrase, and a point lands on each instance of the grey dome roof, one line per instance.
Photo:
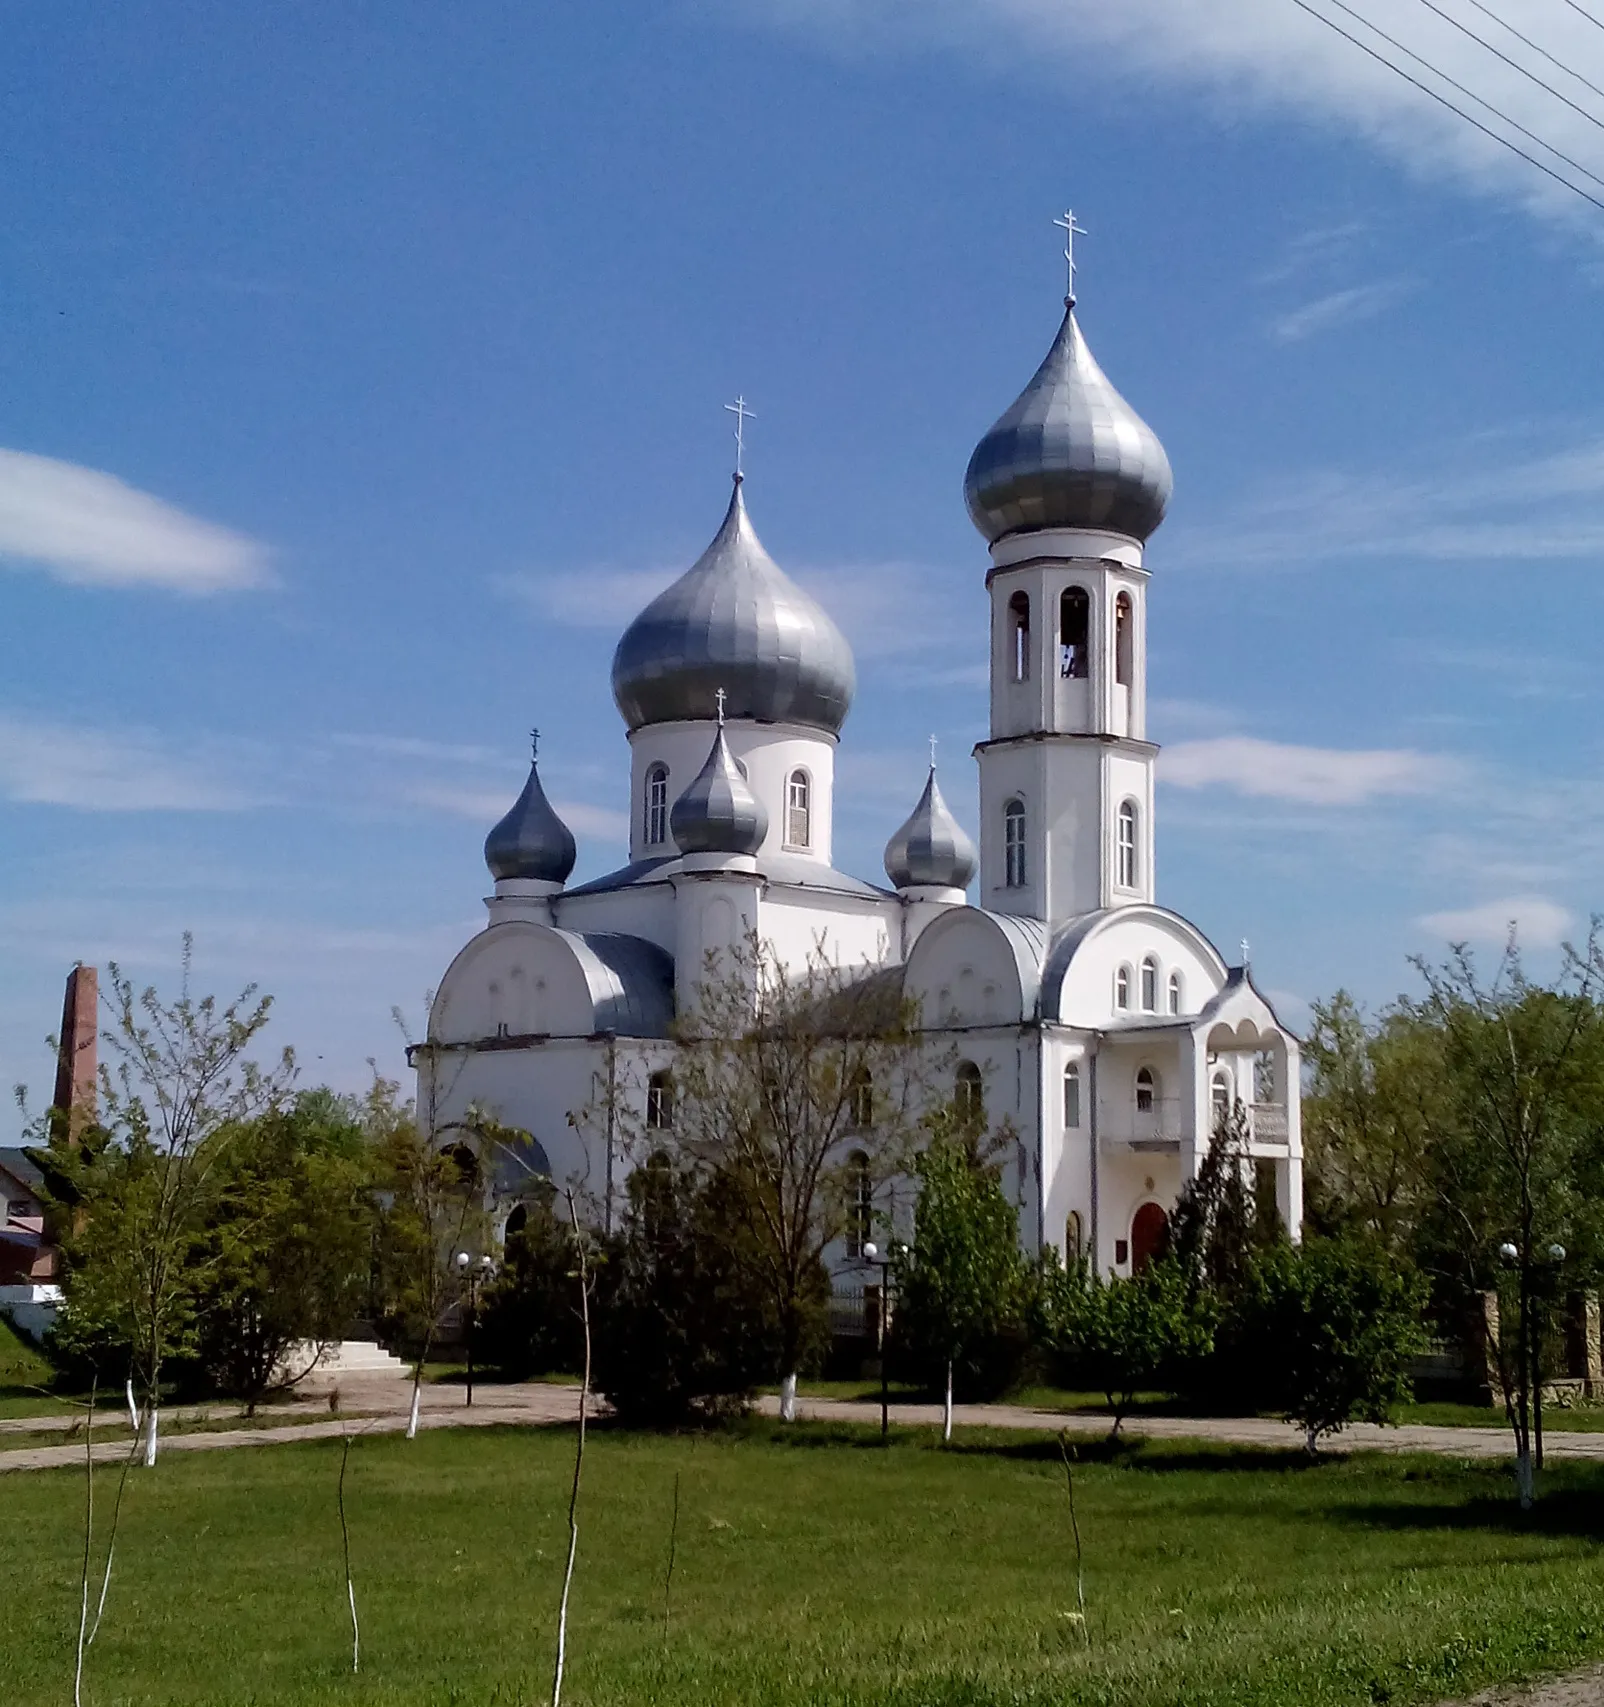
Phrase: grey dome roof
(719, 813)
(1070, 453)
(531, 841)
(931, 848)
(734, 620)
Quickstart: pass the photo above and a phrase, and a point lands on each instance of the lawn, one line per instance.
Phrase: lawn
(812, 1567)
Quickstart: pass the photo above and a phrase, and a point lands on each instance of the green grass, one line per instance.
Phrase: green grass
(813, 1568)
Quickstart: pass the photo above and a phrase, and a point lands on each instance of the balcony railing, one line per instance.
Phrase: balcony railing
(1155, 1128)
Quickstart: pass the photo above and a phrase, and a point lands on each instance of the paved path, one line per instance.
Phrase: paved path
(378, 1405)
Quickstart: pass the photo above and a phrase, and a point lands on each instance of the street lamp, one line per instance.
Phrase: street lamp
(475, 1272)
(882, 1260)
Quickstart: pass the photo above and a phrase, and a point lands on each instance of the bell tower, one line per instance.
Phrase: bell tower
(1067, 487)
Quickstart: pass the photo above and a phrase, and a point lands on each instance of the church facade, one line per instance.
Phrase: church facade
(1106, 1029)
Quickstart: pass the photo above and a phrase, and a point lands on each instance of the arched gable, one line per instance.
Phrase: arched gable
(523, 979)
(1078, 978)
(972, 967)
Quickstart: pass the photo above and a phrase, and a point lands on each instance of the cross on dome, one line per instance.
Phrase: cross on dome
(742, 415)
(720, 697)
(932, 752)
(534, 743)
(1071, 230)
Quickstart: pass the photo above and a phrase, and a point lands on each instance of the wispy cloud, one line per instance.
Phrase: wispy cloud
(1259, 54)
(1311, 776)
(84, 526)
(487, 805)
(1537, 921)
(1336, 308)
(596, 598)
(94, 770)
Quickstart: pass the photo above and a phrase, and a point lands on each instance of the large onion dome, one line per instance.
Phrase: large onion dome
(1070, 453)
(734, 620)
(719, 813)
(931, 848)
(531, 842)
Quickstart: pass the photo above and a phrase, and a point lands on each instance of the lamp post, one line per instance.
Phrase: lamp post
(882, 1260)
(1535, 1275)
(475, 1271)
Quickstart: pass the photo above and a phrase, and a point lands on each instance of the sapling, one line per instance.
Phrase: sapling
(581, 1256)
(668, 1574)
(1074, 1525)
(89, 1536)
(345, 1538)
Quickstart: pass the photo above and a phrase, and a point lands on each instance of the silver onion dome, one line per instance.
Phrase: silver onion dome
(734, 620)
(931, 848)
(719, 813)
(531, 842)
(1070, 453)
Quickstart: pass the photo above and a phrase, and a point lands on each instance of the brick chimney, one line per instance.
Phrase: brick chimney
(74, 1107)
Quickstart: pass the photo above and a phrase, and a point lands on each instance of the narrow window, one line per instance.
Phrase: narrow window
(860, 1206)
(1074, 1238)
(1074, 626)
(1220, 1099)
(1122, 988)
(1019, 636)
(1149, 985)
(1072, 1095)
(798, 811)
(1144, 1090)
(1124, 623)
(656, 806)
(969, 1095)
(660, 1102)
(1175, 992)
(1014, 844)
(860, 1108)
(1125, 869)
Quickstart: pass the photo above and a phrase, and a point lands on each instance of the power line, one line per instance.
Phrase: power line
(1470, 94)
(1536, 47)
(1513, 64)
(1597, 25)
(1442, 100)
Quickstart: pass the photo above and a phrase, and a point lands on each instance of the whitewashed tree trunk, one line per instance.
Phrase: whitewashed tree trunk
(133, 1409)
(946, 1412)
(1525, 1479)
(412, 1415)
(788, 1399)
(1311, 1438)
(152, 1411)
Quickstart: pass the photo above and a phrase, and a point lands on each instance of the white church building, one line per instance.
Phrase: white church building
(1107, 1030)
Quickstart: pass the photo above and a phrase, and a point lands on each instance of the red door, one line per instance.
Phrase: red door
(1148, 1234)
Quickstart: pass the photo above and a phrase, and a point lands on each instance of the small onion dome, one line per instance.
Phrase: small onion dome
(931, 849)
(734, 620)
(719, 813)
(531, 841)
(1070, 453)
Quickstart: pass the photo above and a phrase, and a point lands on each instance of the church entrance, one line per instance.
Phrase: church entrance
(1149, 1230)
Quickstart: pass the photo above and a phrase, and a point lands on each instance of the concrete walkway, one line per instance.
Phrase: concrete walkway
(378, 1405)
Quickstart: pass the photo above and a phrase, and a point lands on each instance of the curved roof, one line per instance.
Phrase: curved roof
(734, 620)
(931, 847)
(1069, 453)
(794, 869)
(631, 982)
(1073, 937)
(1024, 940)
(531, 841)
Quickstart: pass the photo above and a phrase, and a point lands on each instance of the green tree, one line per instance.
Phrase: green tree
(963, 1288)
(286, 1252)
(530, 1322)
(137, 1193)
(1337, 1324)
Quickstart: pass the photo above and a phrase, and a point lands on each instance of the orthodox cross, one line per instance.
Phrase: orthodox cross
(1244, 952)
(742, 415)
(719, 696)
(1071, 231)
(534, 743)
(932, 752)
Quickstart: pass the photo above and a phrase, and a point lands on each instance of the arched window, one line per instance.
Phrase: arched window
(969, 1095)
(1146, 1090)
(1122, 988)
(1150, 985)
(516, 1222)
(1124, 638)
(660, 1101)
(860, 1204)
(1074, 1239)
(1019, 636)
(860, 1101)
(1125, 871)
(798, 811)
(465, 1163)
(1175, 992)
(1074, 626)
(1220, 1098)
(1014, 844)
(1072, 1095)
(656, 815)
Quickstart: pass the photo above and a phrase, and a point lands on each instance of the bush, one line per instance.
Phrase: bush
(529, 1321)
(685, 1329)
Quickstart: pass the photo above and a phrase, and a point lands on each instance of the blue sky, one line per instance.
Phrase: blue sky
(362, 372)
